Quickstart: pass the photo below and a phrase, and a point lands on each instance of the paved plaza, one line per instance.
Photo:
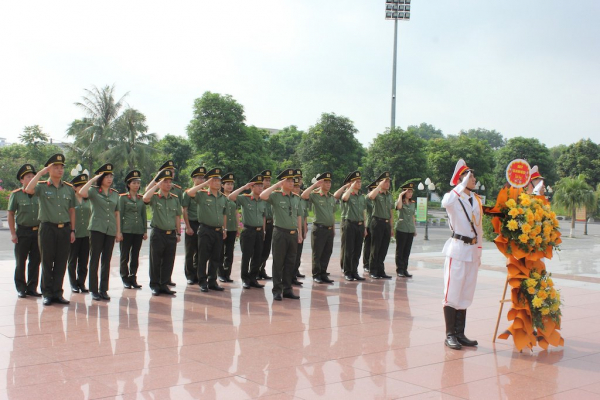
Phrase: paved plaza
(371, 340)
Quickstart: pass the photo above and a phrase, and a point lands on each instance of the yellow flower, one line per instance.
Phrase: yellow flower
(545, 311)
(531, 290)
(538, 240)
(542, 294)
(524, 238)
(543, 284)
(554, 307)
(535, 275)
(510, 203)
(530, 282)
(525, 227)
(550, 282)
(525, 201)
(513, 212)
(512, 225)
(552, 215)
(537, 302)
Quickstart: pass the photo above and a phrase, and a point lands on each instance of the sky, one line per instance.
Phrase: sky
(524, 68)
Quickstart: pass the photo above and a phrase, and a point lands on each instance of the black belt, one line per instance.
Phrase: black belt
(320, 226)
(381, 219)
(466, 239)
(212, 228)
(253, 228)
(353, 222)
(290, 231)
(170, 232)
(269, 221)
(27, 228)
(60, 226)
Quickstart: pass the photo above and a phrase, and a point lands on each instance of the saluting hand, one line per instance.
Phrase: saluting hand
(46, 169)
(248, 185)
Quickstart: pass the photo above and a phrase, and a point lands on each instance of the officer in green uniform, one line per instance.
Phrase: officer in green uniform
(353, 221)
(303, 213)
(252, 236)
(23, 208)
(104, 227)
(233, 222)
(266, 249)
(80, 248)
(323, 230)
(212, 231)
(287, 223)
(382, 225)
(57, 220)
(344, 210)
(166, 215)
(405, 228)
(134, 227)
(190, 217)
(367, 242)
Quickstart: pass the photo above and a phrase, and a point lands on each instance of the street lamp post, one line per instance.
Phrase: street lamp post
(430, 188)
(396, 10)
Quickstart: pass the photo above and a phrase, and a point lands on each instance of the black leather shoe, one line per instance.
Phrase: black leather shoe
(74, 289)
(155, 292)
(22, 294)
(204, 287)
(257, 285)
(465, 341)
(348, 277)
(191, 282)
(265, 276)
(375, 276)
(327, 273)
(216, 287)
(296, 282)
(33, 293)
(127, 284)
(407, 274)
(165, 289)
(277, 297)
(221, 279)
(104, 295)
(134, 283)
(366, 269)
(317, 279)
(326, 279)
(61, 300)
(228, 280)
(83, 288)
(384, 276)
(172, 284)
(47, 301)
(96, 296)
(299, 275)
(452, 342)
(291, 295)
(357, 277)
(246, 285)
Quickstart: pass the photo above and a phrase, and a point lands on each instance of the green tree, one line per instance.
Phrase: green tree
(400, 152)
(529, 149)
(494, 138)
(557, 151)
(425, 131)
(33, 136)
(582, 157)
(129, 143)
(330, 145)
(573, 193)
(442, 155)
(283, 147)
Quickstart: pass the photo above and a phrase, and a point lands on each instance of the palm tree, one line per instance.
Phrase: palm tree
(573, 193)
(128, 140)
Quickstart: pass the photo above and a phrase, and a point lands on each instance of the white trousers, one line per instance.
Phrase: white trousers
(460, 278)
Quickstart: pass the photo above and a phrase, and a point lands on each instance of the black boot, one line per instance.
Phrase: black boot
(134, 284)
(450, 317)
(459, 328)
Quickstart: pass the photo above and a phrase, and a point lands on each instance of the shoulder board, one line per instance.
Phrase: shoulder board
(123, 194)
(203, 190)
(296, 194)
(67, 183)
(277, 191)
(174, 195)
(177, 186)
(246, 194)
(114, 190)
(17, 190)
(412, 201)
(40, 182)
(156, 194)
(140, 196)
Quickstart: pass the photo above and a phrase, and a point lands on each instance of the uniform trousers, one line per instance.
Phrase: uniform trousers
(163, 246)
(266, 250)
(367, 250)
(352, 243)
(130, 254)
(101, 248)
(404, 241)
(27, 248)
(226, 261)
(285, 247)
(210, 248)
(191, 253)
(251, 242)
(78, 261)
(321, 241)
(53, 242)
(460, 278)
(380, 242)
(343, 245)
(298, 260)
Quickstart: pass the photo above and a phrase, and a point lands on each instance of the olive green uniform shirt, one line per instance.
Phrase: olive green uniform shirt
(190, 204)
(383, 205)
(25, 206)
(324, 206)
(285, 210)
(355, 207)
(269, 212)
(369, 206)
(83, 212)
(55, 202)
(104, 206)
(210, 208)
(253, 209)
(177, 191)
(165, 209)
(406, 222)
(132, 210)
(231, 212)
